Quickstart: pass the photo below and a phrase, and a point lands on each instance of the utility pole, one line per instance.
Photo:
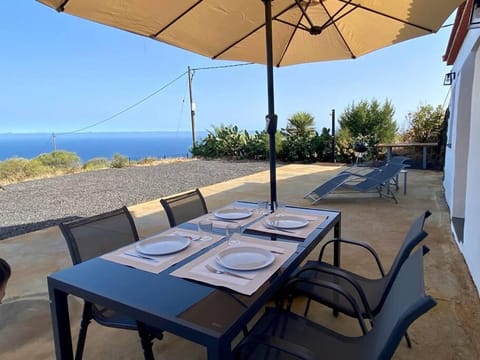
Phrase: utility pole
(192, 106)
(54, 142)
(334, 160)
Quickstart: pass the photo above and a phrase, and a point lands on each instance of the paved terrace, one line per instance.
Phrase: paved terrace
(449, 331)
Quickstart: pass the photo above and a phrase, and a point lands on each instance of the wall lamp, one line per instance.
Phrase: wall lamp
(449, 77)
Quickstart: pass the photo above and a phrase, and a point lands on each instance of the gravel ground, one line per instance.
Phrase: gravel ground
(36, 204)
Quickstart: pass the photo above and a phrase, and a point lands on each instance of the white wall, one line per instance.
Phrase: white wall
(462, 159)
(471, 245)
(462, 136)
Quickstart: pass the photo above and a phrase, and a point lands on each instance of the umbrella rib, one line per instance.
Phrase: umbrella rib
(176, 19)
(238, 41)
(61, 7)
(332, 21)
(358, 6)
(255, 30)
(295, 28)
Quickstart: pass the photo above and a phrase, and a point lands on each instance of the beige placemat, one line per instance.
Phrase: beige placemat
(196, 269)
(313, 222)
(222, 224)
(164, 261)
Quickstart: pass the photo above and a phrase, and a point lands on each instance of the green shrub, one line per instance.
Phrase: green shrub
(59, 160)
(119, 161)
(18, 169)
(96, 163)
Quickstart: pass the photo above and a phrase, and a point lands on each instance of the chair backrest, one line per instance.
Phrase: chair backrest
(413, 237)
(388, 171)
(398, 160)
(184, 207)
(378, 177)
(94, 236)
(404, 304)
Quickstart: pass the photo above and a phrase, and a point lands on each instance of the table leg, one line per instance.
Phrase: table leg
(337, 233)
(60, 323)
(219, 351)
(424, 159)
(389, 153)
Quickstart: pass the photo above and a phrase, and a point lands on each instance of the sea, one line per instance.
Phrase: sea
(134, 145)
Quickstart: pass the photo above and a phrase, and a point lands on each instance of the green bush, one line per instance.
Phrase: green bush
(63, 160)
(96, 163)
(18, 169)
(119, 161)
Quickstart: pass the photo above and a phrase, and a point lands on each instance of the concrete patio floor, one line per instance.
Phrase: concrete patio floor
(449, 331)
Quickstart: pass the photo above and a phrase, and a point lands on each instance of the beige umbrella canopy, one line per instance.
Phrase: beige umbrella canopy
(272, 32)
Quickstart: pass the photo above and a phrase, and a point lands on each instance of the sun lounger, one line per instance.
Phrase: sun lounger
(377, 180)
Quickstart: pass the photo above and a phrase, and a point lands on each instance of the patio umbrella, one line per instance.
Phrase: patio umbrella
(303, 30)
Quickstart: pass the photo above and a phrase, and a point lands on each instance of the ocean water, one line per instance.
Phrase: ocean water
(136, 145)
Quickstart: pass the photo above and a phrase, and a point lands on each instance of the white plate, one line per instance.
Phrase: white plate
(245, 258)
(162, 244)
(286, 221)
(233, 213)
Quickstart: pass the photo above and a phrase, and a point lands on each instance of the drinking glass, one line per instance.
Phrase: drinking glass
(205, 228)
(279, 208)
(234, 231)
(262, 208)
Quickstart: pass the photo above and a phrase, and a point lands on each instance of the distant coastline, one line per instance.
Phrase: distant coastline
(89, 145)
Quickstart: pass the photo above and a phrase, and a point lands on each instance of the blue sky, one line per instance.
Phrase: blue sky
(60, 73)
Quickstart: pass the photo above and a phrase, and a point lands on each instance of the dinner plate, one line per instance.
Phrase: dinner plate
(244, 258)
(162, 245)
(286, 221)
(233, 213)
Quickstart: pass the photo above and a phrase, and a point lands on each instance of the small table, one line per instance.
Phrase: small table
(205, 314)
(423, 145)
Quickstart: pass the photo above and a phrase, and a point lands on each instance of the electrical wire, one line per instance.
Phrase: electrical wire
(126, 109)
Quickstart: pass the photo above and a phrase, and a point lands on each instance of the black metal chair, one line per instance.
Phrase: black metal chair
(370, 294)
(281, 334)
(183, 207)
(94, 236)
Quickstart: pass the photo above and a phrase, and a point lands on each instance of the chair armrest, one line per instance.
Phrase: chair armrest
(362, 244)
(276, 343)
(331, 286)
(341, 274)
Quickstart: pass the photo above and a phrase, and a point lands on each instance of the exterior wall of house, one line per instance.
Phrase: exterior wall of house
(462, 158)
(471, 244)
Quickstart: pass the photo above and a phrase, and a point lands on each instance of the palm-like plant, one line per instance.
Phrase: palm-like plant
(301, 124)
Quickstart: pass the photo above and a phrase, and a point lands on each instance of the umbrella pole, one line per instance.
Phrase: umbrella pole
(271, 118)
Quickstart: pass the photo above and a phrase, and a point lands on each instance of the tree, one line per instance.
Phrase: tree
(424, 124)
(369, 123)
(301, 124)
(298, 137)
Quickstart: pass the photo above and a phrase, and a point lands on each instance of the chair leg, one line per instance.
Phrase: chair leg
(146, 340)
(307, 307)
(407, 338)
(86, 318)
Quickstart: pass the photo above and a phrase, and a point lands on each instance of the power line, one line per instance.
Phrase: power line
(126, 109)
(148, 97)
